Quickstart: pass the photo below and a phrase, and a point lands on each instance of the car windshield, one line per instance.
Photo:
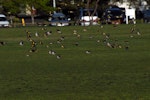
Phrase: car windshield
(3, 19)
(114, 12)
(58, 15)
(58, 18)
(88, 13)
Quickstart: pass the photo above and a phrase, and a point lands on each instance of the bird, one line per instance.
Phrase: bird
(2, 43)
(58, 31)
(41, 42)
(49, 32)
(88, 52)
(51, 52)
(45, 34)
(21, 43)
(131, 36)
(51, 43)
(109, 45)
(126, 47)
(107, 36)
(47, 46)
(76, 44)
(74, 32)
(138, 33)
(84, 30)
(119, 46)
(62, 46)
(62, 38)
(78, 36)
(43, 29)
(33, 46)
(101, 26)
(28, 35)
(104, 33)
(27, 55)
(59, 41)
(36, 34)
(33, 50)
(98, 41)
(58, 56)
(133, 29)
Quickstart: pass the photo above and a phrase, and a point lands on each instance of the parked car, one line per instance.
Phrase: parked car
(86, 18)
(3, 21)
(59, 19)
(146, 16)
(113, 15)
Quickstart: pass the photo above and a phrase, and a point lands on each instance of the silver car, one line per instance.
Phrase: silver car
(3, 21)
(59, 19)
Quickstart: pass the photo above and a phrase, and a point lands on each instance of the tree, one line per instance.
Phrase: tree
(13, 6)
(40, 5)
(95, 9)
(36, 6)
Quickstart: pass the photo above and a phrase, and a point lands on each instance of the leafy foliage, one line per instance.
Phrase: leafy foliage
(14, 6)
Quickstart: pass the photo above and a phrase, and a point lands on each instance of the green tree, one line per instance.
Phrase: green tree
(13, 6)
(39, 5)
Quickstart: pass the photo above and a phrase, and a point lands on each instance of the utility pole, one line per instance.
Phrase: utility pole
(54, 5)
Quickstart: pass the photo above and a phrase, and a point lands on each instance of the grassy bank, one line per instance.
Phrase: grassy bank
(84, 66)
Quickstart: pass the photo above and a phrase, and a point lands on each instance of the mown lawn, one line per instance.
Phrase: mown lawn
(83, 67)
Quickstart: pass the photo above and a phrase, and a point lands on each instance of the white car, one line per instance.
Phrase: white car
(3, 21)
(86, 17)
(89, 20)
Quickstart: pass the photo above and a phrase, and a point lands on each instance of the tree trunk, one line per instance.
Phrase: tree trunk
(96, 6)
(32, 19)
(33, 12)
(88, 6)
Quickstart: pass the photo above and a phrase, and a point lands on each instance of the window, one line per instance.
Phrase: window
(3, 19)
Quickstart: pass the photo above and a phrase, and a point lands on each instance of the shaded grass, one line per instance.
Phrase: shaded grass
(105, 74)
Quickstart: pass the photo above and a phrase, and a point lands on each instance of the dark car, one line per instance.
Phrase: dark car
(146, 16)
(59, 19)
(113, 15)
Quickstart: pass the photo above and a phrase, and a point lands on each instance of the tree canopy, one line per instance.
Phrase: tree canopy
(15, 6)
(46, 6)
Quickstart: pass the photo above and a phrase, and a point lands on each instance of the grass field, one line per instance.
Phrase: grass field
(94, 63)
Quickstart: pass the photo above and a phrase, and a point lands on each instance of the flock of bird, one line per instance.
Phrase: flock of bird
(106, 40)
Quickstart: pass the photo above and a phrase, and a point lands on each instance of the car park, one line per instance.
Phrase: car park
(59, 19)
(3, 21)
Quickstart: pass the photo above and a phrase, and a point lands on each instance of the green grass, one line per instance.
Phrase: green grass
(104, 74)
